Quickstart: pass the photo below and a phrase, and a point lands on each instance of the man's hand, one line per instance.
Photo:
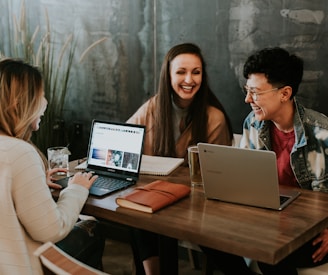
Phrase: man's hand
(322, 251)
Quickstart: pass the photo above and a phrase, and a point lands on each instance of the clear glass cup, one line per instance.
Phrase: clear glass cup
(58, 157)
(194, 166)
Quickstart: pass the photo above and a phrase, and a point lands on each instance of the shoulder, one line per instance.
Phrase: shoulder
(151, 102)
(18, 155)
(316, 118)
(312, 118)
(7, 144)
(215, 114)
(145, 109)
(316, 126)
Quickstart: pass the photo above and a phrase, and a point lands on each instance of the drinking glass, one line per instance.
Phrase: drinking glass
(194, 166)
(58, 158)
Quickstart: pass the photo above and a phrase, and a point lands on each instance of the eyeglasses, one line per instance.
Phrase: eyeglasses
(254, 94)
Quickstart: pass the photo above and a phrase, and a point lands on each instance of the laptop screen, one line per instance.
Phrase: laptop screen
(115, 147)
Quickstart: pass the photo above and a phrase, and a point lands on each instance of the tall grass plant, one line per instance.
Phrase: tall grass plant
(55, 62)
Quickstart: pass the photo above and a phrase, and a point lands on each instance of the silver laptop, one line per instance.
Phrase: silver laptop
(242, 176)
(114, 154)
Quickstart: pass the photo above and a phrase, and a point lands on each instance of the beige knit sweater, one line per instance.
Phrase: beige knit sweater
(28, 214)
(218, 132)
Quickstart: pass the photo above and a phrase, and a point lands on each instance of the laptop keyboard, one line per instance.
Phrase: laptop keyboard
(283, 199)
(111, 184)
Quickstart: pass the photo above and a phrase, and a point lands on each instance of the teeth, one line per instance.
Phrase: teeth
(187, 87)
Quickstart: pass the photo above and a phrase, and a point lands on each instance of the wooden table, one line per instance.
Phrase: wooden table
(260, 234)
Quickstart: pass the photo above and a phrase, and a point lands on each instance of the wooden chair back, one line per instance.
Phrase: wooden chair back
(56, 261)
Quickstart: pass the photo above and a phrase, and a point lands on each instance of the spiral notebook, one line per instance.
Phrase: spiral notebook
(159, 166)
(151, 165)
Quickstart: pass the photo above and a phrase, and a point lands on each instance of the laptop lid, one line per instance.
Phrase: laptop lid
(242, 176)
(115, 149)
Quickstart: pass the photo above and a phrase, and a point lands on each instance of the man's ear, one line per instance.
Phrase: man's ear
(286, 93)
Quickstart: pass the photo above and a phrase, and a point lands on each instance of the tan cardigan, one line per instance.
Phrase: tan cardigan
(218, 132)
(29, 215)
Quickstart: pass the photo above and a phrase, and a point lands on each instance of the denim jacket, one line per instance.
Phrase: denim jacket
(309, 156)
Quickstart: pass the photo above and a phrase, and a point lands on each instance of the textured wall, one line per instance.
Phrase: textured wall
(121, 73)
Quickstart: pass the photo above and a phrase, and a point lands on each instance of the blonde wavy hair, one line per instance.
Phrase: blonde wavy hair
(21, 95)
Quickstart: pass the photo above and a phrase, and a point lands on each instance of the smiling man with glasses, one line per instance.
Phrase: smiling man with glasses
(298, 136)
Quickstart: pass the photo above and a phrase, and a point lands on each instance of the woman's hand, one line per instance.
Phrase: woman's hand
(51, 181)
(323, 249)
(84, 179)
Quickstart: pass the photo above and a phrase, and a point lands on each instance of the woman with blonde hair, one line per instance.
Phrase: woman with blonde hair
(28, 212)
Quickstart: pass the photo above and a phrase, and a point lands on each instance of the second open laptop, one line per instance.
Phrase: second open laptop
(114, 154)
(242, 176)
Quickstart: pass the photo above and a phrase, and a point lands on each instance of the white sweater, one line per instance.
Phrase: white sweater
(29, 216)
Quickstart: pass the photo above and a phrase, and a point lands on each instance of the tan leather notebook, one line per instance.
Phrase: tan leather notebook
(153, 196)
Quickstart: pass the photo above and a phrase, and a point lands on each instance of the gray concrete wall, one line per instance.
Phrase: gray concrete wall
(120, 74)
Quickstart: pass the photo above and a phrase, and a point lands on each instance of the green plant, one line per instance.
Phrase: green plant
(39, 49)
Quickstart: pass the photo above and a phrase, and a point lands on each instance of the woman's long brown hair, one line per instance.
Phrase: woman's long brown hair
(164, 143)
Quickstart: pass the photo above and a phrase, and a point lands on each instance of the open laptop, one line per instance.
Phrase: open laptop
(114, 154)
(242, 176)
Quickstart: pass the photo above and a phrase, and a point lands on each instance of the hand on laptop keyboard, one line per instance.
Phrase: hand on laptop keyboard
(84, 179)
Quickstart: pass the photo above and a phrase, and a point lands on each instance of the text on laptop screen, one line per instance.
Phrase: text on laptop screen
(116, 146)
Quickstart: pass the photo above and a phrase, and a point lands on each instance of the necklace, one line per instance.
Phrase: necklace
(288, 130)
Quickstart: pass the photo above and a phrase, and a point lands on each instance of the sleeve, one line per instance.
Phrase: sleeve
(43, 218)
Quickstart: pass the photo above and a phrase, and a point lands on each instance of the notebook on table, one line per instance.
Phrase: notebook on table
(242, 176)
(159, 166)
(114, 154)
(151, 165)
